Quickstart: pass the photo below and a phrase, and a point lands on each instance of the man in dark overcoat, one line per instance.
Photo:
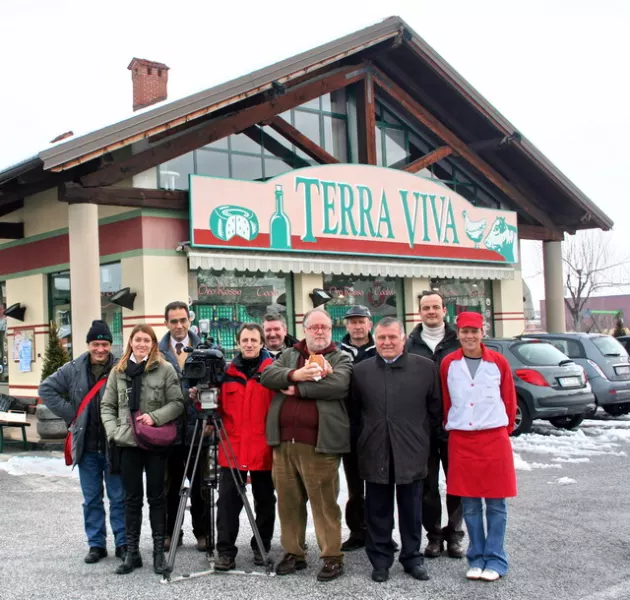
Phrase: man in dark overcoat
(396, 398)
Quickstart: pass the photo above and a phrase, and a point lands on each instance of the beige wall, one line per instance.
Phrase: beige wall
(304, 284)
(509, 316)
(157, 280)
(31, 292)
(44, 213)
(414, 286)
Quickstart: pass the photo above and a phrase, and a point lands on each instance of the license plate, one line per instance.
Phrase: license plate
(569, 381)
(622, 370)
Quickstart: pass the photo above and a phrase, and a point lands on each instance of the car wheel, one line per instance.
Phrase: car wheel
(590, 413)
(523, 421)
(616, 410)
(568, 422)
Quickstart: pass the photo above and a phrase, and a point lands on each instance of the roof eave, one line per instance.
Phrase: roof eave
(502, 124)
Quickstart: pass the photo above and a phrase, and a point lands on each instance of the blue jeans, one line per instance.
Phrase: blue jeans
(92, 471)
(486, 550)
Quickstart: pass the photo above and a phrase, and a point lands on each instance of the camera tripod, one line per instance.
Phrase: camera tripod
(219, 436)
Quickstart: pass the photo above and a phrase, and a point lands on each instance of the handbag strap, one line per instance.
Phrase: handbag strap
(88, 397)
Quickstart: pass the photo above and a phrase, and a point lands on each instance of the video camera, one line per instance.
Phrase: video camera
(204, 368)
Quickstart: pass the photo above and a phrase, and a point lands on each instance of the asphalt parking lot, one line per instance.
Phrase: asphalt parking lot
(568, 536)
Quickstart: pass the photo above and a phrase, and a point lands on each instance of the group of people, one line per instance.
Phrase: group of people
(391, 409)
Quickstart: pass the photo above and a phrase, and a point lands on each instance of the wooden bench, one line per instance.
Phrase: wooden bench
(13, 418)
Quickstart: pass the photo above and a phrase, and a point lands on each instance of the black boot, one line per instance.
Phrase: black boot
(157, 516)
(133, 523)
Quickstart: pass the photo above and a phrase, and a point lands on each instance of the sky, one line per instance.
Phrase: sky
(557, 69)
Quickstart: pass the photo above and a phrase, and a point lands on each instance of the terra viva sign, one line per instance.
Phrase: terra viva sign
(349, 209)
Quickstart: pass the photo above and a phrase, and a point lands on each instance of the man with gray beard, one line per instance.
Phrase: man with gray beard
(309, 430)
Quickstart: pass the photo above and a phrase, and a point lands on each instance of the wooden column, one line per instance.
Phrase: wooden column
(366, 120)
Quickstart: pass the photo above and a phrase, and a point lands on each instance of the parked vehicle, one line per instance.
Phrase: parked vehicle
(624, 340)
(605, 361)
(549, 385)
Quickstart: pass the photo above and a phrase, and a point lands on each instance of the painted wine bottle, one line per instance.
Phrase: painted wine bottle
(279, 225)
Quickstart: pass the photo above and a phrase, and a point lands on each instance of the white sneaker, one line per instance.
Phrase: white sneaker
(474, 573)
(489, 575)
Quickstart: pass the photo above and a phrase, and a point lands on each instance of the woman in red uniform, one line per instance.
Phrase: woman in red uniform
(479, 412)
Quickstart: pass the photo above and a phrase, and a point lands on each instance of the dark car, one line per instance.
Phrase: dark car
(605, 361)
(549, 385)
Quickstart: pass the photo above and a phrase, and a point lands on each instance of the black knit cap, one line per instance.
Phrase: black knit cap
(99, 332)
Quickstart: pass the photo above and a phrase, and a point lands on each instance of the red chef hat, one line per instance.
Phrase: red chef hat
(470, 319)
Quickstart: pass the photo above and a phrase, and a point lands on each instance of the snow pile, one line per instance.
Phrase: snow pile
(562, 481)
(48, 466)
(595, 437)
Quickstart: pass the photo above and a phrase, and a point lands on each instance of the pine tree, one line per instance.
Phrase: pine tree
(619, 327)
(56, 355)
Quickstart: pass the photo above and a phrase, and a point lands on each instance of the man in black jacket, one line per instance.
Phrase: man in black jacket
(358, 344)
(396, 398)
(434, 339)
(179, 336)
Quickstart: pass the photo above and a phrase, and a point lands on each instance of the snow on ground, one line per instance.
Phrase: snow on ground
(555, 447)
(45, 463)
(595, 437)
(562, 481)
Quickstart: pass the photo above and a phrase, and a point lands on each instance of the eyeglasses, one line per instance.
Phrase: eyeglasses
(317, 328)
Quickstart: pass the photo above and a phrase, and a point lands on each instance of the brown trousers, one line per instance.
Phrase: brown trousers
(303, 475)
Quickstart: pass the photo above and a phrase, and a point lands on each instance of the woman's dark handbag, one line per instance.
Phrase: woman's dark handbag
(152, 437)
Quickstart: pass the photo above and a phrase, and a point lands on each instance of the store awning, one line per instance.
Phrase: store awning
(275, 263)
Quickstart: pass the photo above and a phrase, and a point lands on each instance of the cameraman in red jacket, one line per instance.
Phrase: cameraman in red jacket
(243, 406)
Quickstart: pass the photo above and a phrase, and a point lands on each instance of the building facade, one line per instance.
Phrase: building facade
(334, 170)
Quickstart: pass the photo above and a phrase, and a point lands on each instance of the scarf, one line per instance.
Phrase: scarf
(135, 371)
(432, 336)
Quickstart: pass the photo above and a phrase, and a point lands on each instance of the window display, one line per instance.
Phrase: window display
(4, 340)
(463, 295)
(382, 295)
(230, 298)
(111, 282)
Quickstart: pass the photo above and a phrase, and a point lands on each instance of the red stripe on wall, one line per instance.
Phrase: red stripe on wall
(509, 318)
(352, 246)
(144, 317)
(121, 236)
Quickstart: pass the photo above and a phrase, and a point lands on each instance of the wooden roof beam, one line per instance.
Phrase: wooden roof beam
(7, 207)
(275, 147)
(428, 159)
(11, 231)
(305, 144)
(366, 119)
(73, 193)
(534, 232)
(224, 126)
(461, 148)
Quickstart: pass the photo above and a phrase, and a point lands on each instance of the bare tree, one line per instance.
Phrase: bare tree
(591, 264)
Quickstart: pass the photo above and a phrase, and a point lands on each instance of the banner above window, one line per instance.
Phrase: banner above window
(276, 263)
(348, 209)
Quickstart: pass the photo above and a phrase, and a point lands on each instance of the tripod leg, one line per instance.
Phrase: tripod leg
(184, 494)
(219, 429)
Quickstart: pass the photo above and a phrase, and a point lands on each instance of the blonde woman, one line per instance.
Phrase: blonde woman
(144, 387)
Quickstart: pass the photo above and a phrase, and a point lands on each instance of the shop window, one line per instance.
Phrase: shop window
(173, 175)
(466, 295)
(60, 306)
(230, 298)
(323, 120)
(382, 295)
(216, 164)
(4, 340)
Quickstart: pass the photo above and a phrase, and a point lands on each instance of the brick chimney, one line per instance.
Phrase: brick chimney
(149, 82)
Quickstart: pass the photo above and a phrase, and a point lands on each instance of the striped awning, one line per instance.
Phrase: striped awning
(304, 263)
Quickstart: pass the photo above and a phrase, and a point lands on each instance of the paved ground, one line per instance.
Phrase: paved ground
(565, 541)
